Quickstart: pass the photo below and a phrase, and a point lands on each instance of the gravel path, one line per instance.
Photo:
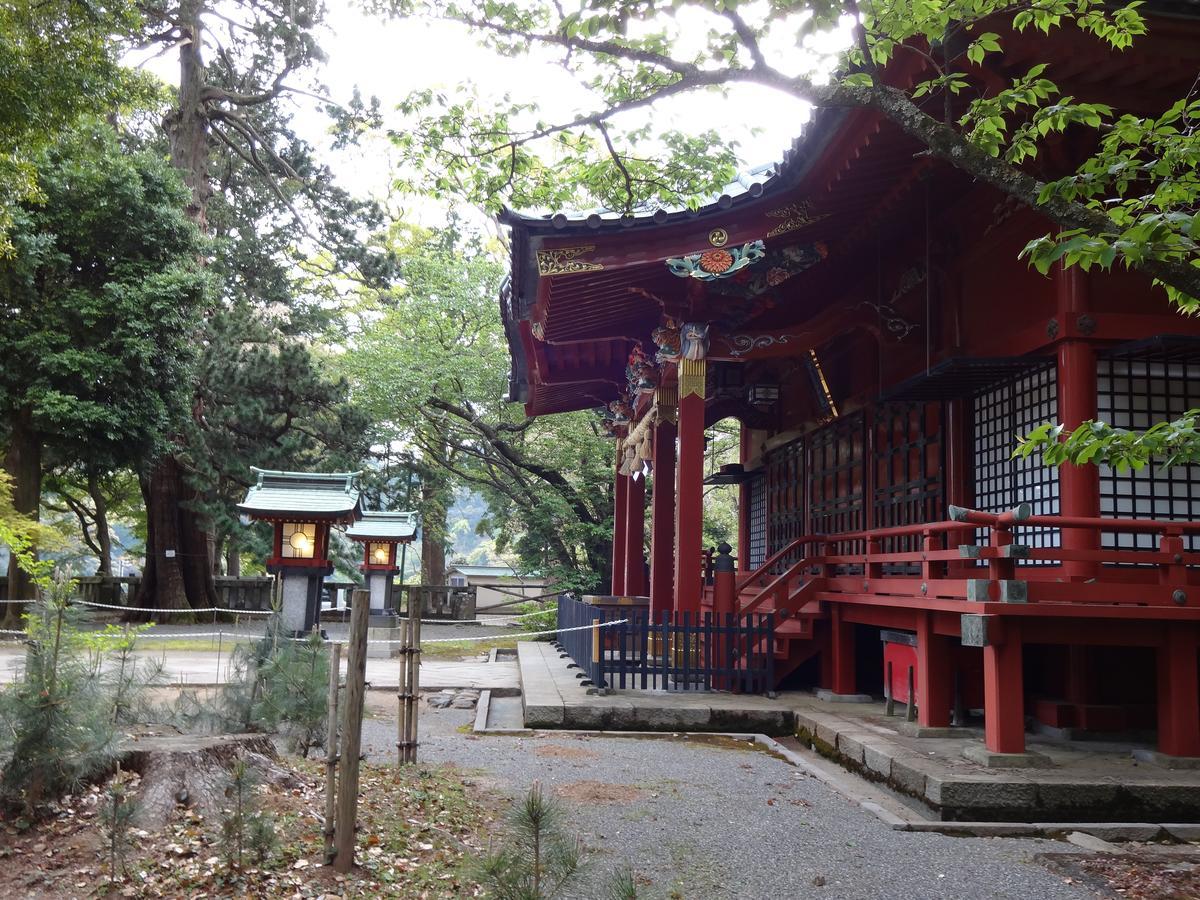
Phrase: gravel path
(705, 821)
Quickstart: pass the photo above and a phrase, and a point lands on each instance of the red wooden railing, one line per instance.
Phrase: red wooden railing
(984, 573)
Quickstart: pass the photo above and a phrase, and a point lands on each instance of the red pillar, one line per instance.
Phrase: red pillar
(662, 509)
(620, 502)
(743, 557)
(689, 487)
(1178, 692)
(1079, 486)
(635, 536)
(841, 652)
(935, 675)
(1004, 693)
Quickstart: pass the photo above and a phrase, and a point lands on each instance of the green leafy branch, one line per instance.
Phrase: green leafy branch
(1173, 443)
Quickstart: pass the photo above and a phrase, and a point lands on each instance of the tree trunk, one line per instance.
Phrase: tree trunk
(233, 559)
(177, 572)
(103, 536)
(217, 556)
(187, 125)
(434, 508)
(23, 462)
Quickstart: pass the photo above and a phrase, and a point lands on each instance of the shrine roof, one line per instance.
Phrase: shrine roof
(318, 495)
(378, 525)
(749, 185)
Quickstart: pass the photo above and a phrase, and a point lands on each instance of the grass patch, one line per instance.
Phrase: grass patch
(455, 649)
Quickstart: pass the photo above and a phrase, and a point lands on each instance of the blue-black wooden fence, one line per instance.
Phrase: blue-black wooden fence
(685, 651)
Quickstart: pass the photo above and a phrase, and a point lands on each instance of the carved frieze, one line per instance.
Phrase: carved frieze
(566, 260)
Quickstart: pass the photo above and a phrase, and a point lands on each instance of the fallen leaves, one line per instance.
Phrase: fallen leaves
(420, 832)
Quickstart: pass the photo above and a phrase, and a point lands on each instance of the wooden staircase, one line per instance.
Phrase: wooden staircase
(791, 596)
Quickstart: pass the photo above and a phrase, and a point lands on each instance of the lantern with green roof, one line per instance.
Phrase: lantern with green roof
(380, 533)
(302, 506)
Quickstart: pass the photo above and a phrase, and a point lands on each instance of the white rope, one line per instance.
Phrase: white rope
(267, 612)
(482, 637)
(178, 612)
(522, 634)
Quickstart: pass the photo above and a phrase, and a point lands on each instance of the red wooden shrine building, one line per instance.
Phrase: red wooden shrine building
(862, 310)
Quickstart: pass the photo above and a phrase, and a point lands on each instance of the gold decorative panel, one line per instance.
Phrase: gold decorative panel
(566, 261)
(794, 215)
(666, 401)
(691, 378)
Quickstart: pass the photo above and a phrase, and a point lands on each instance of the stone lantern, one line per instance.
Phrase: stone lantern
(381, 533)
(302, 506)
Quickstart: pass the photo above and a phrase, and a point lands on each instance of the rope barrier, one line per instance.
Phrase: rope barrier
(178, 612)
(481, 637)
(260, 612)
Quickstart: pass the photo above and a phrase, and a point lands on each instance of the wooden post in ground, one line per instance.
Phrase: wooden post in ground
(356, 678)
(331, 754)
(414, 684)
(402, 694)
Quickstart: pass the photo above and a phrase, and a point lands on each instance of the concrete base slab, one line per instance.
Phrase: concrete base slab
(1154, 758)
(826, 696)
(913, 729)
(981, 755)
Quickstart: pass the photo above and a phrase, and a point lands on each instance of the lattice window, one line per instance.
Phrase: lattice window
(784, 491)
(1136, 394)
(756, 552)
(1001, 413)
(836, 476)
(908, 460)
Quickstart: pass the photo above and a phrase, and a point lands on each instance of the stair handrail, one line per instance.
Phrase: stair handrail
(777, 556)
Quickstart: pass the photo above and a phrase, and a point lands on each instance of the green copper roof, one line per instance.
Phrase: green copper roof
(321, 495)
(377, 525)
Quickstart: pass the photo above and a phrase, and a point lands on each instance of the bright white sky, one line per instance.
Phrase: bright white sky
(389, 59)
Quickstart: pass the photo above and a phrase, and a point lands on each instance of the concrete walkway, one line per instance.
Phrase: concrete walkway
(203, 668)
(554, 698)
(1078, 781)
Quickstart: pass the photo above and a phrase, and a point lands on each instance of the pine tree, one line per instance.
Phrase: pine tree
(539, 861)
(58, 715)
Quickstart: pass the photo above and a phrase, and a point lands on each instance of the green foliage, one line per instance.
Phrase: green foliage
(1174, 443)
(116, 815)
(100, 296)
(21, 534)
(539, 861)
(430, 367)
(245, 828)
(56, 723)
(538, 617)
(57, 61)
(293, 700)
(276, 685)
